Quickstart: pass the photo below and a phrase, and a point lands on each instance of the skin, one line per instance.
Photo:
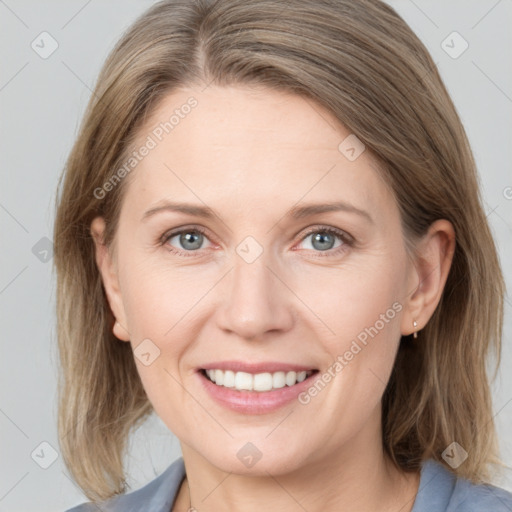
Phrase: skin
(251, 155)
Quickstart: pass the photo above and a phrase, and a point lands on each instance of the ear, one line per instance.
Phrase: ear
(109, 276)
(428, 274)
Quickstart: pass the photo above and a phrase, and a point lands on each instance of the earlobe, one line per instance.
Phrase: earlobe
(120, 332)
(434, 255)
(109, 278)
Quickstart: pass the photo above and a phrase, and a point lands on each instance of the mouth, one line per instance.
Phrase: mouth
(262, 382)
(255, 388)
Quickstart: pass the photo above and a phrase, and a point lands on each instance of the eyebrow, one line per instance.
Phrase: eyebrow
(186, 208)
(297, 212)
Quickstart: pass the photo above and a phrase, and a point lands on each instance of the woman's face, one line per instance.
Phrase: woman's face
(264, 282)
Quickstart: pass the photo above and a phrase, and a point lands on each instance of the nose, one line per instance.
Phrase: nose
(255, 300)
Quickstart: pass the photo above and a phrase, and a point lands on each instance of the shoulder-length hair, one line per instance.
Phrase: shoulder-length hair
(361, 61)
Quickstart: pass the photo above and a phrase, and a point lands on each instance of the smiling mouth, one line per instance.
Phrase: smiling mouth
(259, 382)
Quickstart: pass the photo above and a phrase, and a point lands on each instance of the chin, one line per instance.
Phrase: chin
(256, 458)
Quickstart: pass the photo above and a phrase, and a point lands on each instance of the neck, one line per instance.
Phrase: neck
(359, 476)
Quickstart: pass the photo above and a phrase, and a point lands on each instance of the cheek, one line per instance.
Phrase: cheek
(363, 306)
(359, 302)
(159, 305)
(158, 298)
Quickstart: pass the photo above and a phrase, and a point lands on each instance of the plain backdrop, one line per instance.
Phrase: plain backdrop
(42, 99)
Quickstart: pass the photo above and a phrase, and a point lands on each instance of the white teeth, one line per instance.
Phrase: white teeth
(291, 378)
(301, 376)
(244, 381)
(278, 380)
(229, 379)
(262, 382)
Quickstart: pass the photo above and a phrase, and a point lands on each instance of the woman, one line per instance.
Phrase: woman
(270, 233)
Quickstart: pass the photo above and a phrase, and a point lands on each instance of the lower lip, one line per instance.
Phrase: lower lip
(254, 402)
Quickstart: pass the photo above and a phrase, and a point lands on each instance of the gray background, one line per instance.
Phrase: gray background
(42, 101)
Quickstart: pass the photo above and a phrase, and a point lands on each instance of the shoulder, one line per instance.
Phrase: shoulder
(157, 496)
(443, 491)
(468, 497)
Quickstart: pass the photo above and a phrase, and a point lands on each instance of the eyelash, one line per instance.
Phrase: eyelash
(347, 240)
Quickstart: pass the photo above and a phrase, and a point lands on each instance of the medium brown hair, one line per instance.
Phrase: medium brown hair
(361, 61)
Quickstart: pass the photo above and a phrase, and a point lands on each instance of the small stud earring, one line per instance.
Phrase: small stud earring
(415, 333)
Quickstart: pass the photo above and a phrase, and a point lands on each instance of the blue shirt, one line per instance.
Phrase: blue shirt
(439, 491)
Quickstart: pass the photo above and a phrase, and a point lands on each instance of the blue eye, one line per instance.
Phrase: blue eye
(189, 240)
(326, 241)
(322, 240)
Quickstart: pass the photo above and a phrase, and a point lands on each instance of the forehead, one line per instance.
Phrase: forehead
(249, 148)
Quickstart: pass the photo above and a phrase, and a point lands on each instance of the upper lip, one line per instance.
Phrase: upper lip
(262, 367)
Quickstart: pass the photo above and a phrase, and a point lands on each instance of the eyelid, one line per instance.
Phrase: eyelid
(178, 231)
(320, 228)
